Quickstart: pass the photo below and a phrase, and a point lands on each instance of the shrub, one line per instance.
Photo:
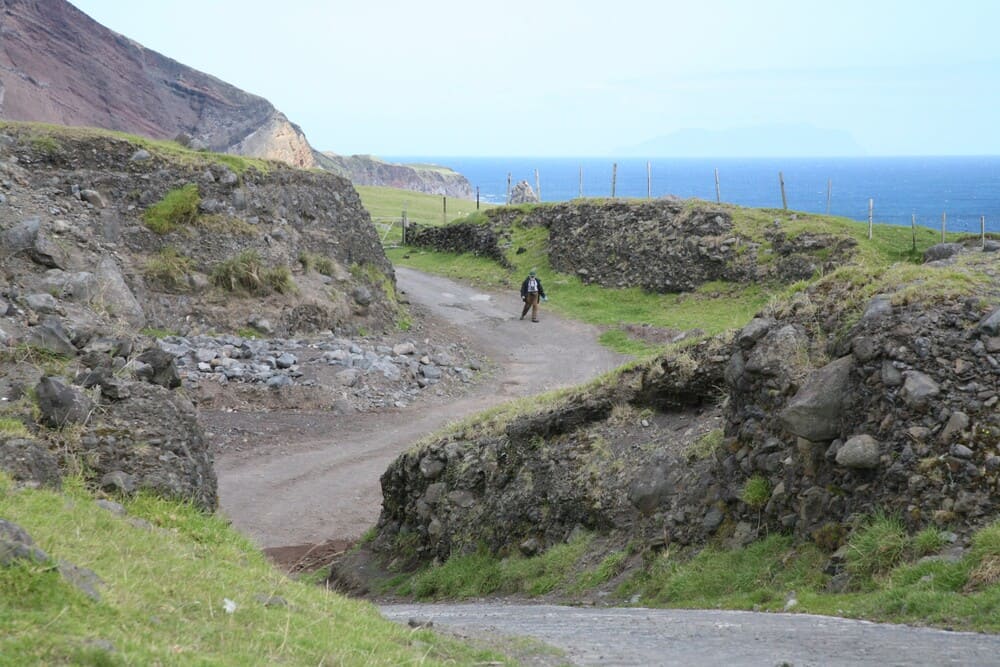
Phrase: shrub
(169, 268)
(756, 492)
(178, 207)
(877, 547)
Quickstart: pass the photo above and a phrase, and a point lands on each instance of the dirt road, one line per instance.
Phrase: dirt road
(314, 477)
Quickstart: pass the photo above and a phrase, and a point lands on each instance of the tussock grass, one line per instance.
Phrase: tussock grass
(246, 273)
(165, 585)
(169, 269)
(178, 207)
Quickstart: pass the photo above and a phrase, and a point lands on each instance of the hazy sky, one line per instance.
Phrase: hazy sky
(581, 77)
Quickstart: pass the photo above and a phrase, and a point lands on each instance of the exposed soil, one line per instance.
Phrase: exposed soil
(295, 478)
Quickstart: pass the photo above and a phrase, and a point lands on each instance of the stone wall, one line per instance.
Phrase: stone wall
(660, 246)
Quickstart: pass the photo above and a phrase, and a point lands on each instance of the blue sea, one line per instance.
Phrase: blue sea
(961, 188)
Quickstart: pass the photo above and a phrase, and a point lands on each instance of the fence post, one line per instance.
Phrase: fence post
(784, 200)
(614, 178)
(944, 224)
(829, 191)
(581, 181)
(406, 226)
(538, 187)
(444, 210)
(871, 209)
(649, 180)
(982, 230)
(913, 230)
(508, 188)
(718, 192)
(477, 197)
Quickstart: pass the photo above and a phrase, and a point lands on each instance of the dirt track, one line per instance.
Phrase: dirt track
(312, 477)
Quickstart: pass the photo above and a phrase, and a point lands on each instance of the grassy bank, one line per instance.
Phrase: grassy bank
(179, 587)
(894, 577)
(386, 205)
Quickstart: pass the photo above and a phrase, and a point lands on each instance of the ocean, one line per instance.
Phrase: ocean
(961, 188)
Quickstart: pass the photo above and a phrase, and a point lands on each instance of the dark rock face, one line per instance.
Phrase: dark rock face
(105, 252)
(840, 409)
(152, 441)
(61, 404)
(479, 240)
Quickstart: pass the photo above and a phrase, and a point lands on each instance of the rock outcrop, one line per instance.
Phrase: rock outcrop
(106, 241)
(370, 170)
(522, 193)
(834, 404)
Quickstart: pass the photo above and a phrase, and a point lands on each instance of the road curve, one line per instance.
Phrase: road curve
(637, 636)
(293, 491)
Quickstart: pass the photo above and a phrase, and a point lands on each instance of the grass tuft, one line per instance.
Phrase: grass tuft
(246, 273)
(178, 207)
(169, 269)
(877, 547)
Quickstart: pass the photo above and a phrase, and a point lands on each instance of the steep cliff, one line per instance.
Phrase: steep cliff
(57, 65)
(370, 170)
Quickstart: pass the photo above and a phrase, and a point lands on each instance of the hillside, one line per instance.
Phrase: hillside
(57, 65)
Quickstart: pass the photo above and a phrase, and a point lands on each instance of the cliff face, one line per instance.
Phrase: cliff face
(369, 170)
(57, 65)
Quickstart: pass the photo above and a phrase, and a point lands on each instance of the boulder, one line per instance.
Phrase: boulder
(919, 390)
(522, 193)
(815, 412)
(991, 324)
(115, 296)
(26, 460)
(61, 404)
(860, 451)
(942, 251)
(50, 335)
(152, 440)
(159, 368)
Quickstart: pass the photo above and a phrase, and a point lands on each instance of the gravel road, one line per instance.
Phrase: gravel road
(632, 636)
(294, 490)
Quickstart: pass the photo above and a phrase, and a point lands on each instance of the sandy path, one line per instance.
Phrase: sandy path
(304, 489)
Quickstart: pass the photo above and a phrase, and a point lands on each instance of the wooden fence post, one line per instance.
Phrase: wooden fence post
(871, 209)
(649, 180)
(718, 192)
(829, 191)
(614, 178)
(538, 187)
(784, 200)
(944, 224)
(444, 210)
(982, 230)
(581, 181)
(913, 230)
(508, 188)
(477, 197)
(406, 226)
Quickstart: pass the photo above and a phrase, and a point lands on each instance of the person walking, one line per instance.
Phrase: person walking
(531, 292)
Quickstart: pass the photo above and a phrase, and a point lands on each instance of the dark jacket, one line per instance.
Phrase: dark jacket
(524, 288)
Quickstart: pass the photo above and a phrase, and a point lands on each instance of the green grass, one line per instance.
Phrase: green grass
(164, 590)
(387, 205)
(482, 574)
(756, 492)
(12, 428)
(178, 207)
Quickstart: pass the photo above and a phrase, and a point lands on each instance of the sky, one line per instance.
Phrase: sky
(588, 78)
